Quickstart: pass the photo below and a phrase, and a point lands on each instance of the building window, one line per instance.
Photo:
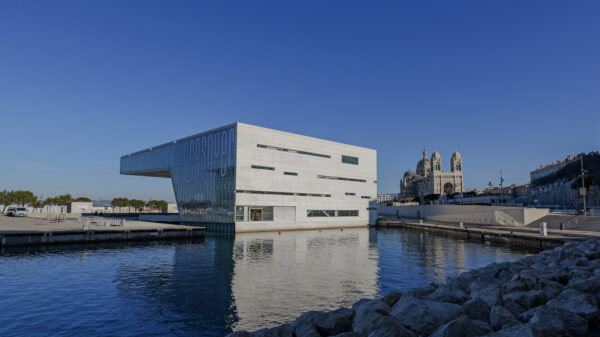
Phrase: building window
(350, 193)
(253, 213)
(285, 193)
(256, 214)
(365, 197)
(349, 160)
(340, 178)
(290, 173)
(347, 213)
(329, 213)
(263, 167)
(293, 151)
(375, 181)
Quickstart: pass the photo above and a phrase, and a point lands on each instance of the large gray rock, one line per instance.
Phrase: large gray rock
(491, 295)
(586, 285)
(478, 309)
(334, 322)
(448, 294)
(366, 311)
(423, 291)
(512, 305)
(577, 302)
(285, 330)
(305, 329)
(501, 317)
(366, 304)
(525, 330)
(349, 334)
(483, 328)
(391, 298)
(422, 316)
(370, 321)
(526, 299)
(462, 326)
(561, 321)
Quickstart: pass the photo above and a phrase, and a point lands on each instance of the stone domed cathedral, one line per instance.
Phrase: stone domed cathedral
(430, 179)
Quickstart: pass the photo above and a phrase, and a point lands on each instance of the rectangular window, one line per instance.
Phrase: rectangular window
(285, 193)
(258, 167)
(340, 178)
(267, 213)
(329, 213)
(366, 197)
(293, 151)
(256, 214)
(349, 193)
(290, 173)
(315, 213)
(349, 160)
(239, 213)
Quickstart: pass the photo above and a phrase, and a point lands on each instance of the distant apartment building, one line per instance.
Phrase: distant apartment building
(431, 179)
(242, 177)
(383, 198)
(546, 170)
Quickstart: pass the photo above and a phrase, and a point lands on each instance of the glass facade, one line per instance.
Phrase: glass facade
(202, 168)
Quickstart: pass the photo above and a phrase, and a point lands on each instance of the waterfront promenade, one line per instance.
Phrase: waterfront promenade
(24, 231)
(527, 236)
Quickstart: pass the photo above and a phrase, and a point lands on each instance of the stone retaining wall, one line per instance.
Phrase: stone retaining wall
(554, 293)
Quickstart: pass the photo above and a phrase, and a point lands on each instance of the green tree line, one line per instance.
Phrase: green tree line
(24, 197)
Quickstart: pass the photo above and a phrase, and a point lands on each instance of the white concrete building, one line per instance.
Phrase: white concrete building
(248, 178)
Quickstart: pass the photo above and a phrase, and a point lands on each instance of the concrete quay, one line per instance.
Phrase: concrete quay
(35, 232)
(515, 236)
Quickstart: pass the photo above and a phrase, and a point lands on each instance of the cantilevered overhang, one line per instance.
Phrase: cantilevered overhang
(158, 173)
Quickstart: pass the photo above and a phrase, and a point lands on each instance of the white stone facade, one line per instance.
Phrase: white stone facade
(431, 179)
(247, 178)
(311, 170)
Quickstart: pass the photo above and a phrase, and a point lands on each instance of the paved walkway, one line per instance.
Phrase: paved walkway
(526, 231)
(28, 224)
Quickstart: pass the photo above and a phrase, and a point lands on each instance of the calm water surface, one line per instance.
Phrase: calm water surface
(217, 285)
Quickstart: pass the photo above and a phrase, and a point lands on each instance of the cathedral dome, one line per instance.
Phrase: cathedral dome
(436, 156)
(456, 156)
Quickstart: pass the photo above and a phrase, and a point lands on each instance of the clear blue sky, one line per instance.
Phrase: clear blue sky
(509, 84)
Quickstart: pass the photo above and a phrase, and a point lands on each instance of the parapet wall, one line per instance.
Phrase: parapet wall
(475, 214)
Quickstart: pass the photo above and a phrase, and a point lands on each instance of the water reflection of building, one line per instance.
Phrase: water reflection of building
(278, 277)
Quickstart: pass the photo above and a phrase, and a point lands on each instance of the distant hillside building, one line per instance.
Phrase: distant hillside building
(430, 179)
(546, 170)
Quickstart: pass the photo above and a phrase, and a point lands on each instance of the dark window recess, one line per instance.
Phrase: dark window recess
(365, 197)
(285, 193)
(375, 181)
(263, 167)
(290, 173)
(293, 151)
(372, 209)
(347, 213)
(349, 193)
(340, 178)
(349, 160)
(329, 213)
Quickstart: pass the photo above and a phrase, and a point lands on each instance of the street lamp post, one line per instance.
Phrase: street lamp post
(582, 190)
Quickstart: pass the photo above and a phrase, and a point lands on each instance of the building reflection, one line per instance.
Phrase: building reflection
(277, 277)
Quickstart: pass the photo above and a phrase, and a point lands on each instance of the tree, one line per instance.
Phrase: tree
(119, 202)
(6, 198)
(83, 199)
(136, 204)
(63, 200)
(24, 197)
(157, 204)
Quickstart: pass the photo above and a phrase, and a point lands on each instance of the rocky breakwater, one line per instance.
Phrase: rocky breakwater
(554, 293)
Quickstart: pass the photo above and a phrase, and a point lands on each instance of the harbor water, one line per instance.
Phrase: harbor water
(220, 284)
